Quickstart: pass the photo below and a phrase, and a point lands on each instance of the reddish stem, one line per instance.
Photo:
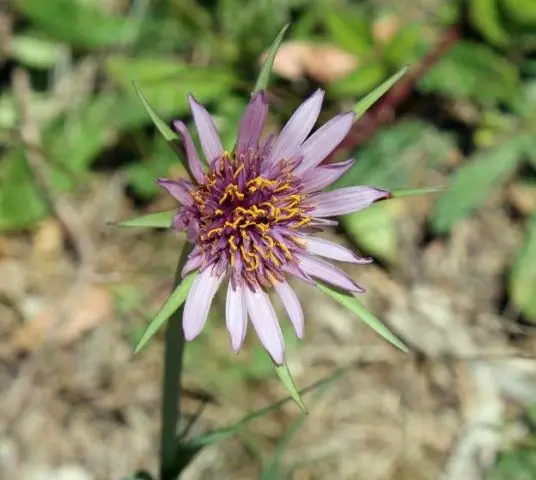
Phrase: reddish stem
(384, 110)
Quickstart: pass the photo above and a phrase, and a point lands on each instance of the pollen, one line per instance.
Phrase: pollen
(248, 218)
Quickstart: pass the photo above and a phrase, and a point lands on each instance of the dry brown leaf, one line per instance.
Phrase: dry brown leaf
(385, 28)
(48, 238)
(323, 63)
(92, 307)
(523, 197)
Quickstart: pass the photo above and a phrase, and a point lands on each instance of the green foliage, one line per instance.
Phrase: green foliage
(350, 30)
(505, 23)
(477, 179)
(393, 158)
(21, 204)
(517, 464)
(476, 72)
(77, 22)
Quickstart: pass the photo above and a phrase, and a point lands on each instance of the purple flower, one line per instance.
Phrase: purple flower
(251, 216)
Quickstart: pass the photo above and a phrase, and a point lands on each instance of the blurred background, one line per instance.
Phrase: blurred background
(455, 276)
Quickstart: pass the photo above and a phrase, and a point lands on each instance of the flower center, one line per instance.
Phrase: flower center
(250, 218)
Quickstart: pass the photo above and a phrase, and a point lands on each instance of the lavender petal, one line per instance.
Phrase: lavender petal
(262, 315)
(292, 306)
(208, 134)
(347, 200)
(334, 251)
(198, 303)
(196, 168)
(236, 316)
(252, 122)
(297, 128)
(321, 143)
(297, 272)
(178, 189)
(325, 271)
(321, 176)
(193, 263)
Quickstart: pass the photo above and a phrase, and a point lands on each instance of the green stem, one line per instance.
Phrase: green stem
(171, 386)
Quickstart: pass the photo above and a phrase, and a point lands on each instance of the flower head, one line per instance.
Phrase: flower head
(251, 216)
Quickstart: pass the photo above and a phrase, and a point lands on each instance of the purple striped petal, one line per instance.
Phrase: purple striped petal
(196, 168)
(325, 271)
(252, 122)
(297, 128)
(347, 200)
(321, 143)
(236, 316)
(334, 251)
(198, 303)
(208, 134)
(193, 263)
(323, 222)
(297, 272)
(321, 176)
(262, 315)
(292, 306)
(178, 189)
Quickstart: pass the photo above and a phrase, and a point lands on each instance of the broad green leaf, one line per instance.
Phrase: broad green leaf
(151, 220)
(166, 81)
(485, 15)
(522, 13)
(21, 202)
(350, 30)
(174, 301)
(409, 44)
(397, 155)
(78, 22)
(264, 75)
(374, 230)
(223, 433)
(355, 306)
(410, 192)
(475, 180)
(361, 81)
(474, 71)
(36, 52)
(516, 464)
(522, 281)
(283, 372)
(365, 103)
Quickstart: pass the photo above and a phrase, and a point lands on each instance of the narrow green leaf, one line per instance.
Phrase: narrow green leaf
(272, 470)
(283, 372)
(353, 304)
(151, 220)
(371, 98)
(174, 301)
(264, 75)
(223, 433)
(409, 192)
(166, 132)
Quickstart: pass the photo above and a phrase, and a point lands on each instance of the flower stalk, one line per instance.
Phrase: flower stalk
(171, 384)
